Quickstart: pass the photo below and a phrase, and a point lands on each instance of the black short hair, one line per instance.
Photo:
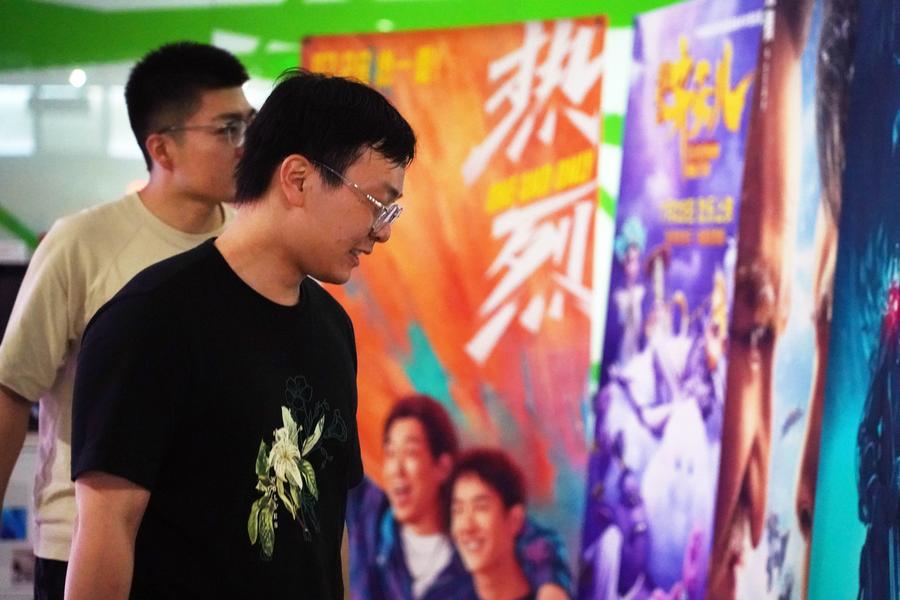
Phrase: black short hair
(165, 86)
(327, 119)
(439, 429)
(496, 469)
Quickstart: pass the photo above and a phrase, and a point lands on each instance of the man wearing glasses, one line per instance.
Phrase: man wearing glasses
(189, 116)
(214, 462)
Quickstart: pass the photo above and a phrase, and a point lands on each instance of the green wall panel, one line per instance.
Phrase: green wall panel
(41, 34)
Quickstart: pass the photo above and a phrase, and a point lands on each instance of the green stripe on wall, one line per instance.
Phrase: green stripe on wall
(613, 127)
(607, 203)
(12, 224)
(38, 35)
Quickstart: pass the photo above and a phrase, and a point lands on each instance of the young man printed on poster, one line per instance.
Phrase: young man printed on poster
(188, 114)
(400, 544)
(487, 513)
(211, 461)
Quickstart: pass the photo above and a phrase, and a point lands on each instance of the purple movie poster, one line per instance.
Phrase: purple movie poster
(654, 464)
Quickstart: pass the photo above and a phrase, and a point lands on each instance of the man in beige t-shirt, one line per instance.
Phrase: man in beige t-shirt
(189, 115)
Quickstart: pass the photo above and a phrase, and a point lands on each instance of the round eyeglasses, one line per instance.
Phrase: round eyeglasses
(387, 213)
(234, 130)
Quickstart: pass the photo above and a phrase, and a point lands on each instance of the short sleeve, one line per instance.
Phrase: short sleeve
(41, 325)
(131, 374)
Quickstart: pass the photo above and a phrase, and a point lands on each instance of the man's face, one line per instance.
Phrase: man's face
(343, 216)
(203, 161)
(760, 309)
(482, 528)
(412, 476)
(769, 200)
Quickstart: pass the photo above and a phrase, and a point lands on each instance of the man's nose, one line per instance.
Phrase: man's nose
(382, 235)
(756, 489)
(391, 466)
(465, 520)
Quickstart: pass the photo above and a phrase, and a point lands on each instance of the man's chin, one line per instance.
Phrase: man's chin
(723, 582)
(471, 565)
(402, 514)
(332, 278)
(729, 557)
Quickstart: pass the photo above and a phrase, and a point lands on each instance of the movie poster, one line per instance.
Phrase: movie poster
(654, 463)
(481, 299)
(856, 542)
(781, 313)
(772, 565)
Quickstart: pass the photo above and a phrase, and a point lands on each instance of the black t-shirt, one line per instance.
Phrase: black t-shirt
(188, 384)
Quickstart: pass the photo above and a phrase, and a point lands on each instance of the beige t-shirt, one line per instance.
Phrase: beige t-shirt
(81, 263)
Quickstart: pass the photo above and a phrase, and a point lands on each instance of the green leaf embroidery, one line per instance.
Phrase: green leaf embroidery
(267, 530)
(284, 498)
(309, 475)
(253, 521)
(262, 459)
(312, 440)
(289, 424)
(295, 496)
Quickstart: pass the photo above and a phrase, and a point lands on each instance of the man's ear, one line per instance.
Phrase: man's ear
(157, 146)
(516, 518)
(445, 465)
(293, 177)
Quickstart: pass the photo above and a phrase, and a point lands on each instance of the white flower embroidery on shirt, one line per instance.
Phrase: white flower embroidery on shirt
(285, 475)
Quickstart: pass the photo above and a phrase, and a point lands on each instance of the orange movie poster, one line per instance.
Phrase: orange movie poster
(481, 297)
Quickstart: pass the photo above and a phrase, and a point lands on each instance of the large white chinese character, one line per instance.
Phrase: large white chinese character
(568, 67)
(534, 239)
